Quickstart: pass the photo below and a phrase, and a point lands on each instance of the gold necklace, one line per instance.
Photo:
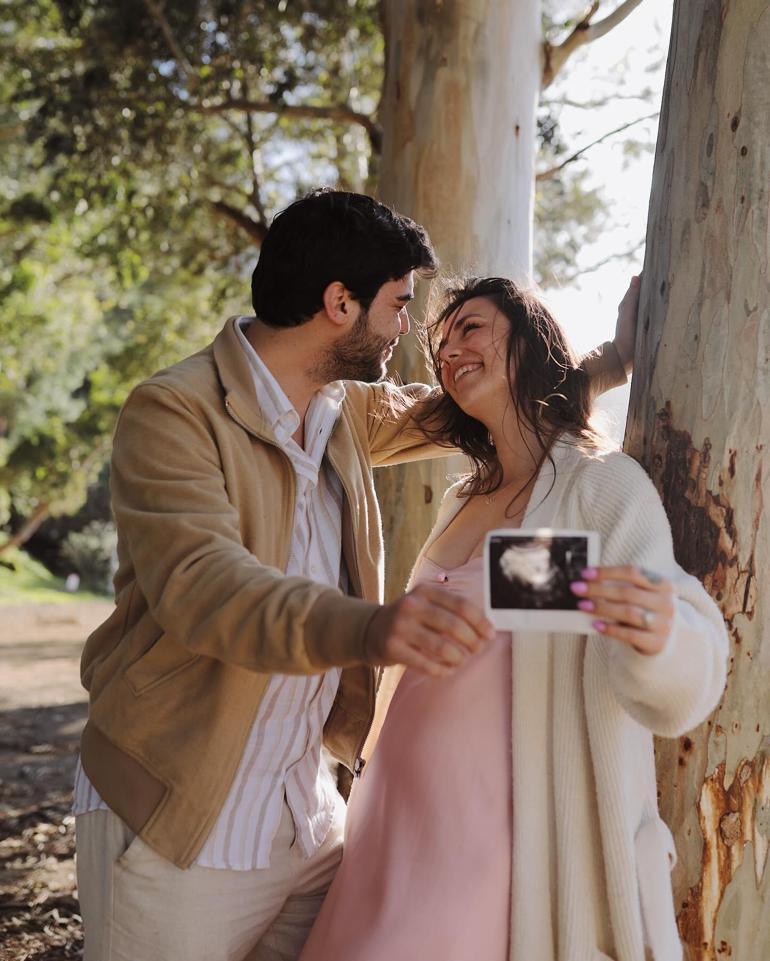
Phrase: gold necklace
(489, 498)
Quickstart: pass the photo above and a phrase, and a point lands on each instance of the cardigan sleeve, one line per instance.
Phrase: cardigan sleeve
(674, 690)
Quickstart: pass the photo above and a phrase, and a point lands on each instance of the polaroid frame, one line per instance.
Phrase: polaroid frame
(538, 619)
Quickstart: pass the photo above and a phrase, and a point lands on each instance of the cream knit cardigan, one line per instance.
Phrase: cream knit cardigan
(591, 856)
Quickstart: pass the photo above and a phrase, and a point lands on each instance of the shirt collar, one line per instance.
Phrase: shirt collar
(276, 406)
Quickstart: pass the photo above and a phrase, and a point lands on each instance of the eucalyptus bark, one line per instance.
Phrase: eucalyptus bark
(700, 423)
(461, 89)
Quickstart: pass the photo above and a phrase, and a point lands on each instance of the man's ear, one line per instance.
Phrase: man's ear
(338, 304)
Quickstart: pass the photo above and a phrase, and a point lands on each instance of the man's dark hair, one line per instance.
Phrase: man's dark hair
(333, 235)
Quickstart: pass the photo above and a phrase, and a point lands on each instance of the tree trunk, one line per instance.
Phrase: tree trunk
(461, 88)
(699, 423)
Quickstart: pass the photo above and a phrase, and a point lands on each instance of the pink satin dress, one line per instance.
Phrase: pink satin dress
(426, 872)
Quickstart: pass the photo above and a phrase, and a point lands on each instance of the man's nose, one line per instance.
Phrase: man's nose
(404, 322)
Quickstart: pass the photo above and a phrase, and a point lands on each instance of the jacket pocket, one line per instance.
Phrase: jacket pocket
(160, 662)
(655, 858)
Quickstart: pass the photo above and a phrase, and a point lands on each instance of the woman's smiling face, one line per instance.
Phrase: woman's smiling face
(472, 354)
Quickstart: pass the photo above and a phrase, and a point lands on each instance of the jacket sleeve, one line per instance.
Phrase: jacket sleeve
(674, 690)
(390, 411)
(201, 584)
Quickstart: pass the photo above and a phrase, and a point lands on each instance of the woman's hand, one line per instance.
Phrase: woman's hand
(633, 605)
(625, 329)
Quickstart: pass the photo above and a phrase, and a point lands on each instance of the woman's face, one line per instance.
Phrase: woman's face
(472, 354)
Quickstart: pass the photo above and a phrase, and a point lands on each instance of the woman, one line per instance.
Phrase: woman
(510, 809)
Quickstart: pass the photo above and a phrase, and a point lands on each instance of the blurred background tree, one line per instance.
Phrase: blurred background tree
(146, 146)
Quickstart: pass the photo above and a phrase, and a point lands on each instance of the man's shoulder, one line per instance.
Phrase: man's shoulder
(193, 379)
(196, 371)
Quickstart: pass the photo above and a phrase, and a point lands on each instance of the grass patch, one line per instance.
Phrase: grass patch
(31, 583)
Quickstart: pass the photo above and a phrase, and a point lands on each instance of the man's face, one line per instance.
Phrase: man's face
(363, 352)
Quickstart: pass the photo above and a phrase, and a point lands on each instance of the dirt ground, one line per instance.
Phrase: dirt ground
(42, 711)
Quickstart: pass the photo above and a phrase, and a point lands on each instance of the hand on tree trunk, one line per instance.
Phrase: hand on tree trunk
(625, 329)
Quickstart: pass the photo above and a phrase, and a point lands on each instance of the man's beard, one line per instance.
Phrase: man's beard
(355, 356)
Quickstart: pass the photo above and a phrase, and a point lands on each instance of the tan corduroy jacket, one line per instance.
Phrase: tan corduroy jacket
(203, 500)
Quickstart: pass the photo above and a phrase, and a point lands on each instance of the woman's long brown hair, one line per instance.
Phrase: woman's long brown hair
(549, 390)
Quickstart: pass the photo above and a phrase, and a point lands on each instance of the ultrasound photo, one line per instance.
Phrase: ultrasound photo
(534, 573)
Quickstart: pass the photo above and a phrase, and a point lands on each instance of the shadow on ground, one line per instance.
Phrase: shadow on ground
(39, 918)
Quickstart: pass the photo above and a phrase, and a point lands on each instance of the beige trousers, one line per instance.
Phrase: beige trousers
(137, 906)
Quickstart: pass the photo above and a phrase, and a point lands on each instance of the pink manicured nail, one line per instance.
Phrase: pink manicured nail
(600, 626)
(590, 573)
(578, 587)
(586, 605)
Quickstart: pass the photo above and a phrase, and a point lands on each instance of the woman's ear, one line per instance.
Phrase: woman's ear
(338, 303)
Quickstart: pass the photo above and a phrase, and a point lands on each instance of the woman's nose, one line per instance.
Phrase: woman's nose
(448, 352)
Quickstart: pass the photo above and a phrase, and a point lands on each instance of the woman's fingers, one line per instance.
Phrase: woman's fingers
(641, 577)
(645, 642)
(631, 604)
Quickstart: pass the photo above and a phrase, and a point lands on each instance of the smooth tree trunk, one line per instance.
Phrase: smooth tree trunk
(461, 89)
(700, 423)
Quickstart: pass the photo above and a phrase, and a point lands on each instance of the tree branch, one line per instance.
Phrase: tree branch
(11, 131)
(254, 164)
(601, 263)
(556, 55)
(27, 529)
(185, 67)
(551, 172)
(225, 187)
(594, 104)
(252, 228)
(338, 112)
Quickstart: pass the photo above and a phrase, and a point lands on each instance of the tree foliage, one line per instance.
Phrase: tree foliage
(146, 145)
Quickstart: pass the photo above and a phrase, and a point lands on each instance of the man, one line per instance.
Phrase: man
(248, 620)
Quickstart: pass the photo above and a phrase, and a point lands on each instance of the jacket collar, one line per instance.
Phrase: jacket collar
(237, 382)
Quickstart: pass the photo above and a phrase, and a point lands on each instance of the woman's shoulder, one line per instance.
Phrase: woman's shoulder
(609, 468)
(452, 499)
(455, 488)
(611, 488)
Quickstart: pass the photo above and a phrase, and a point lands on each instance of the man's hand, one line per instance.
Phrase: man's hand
(430, 630)
(625, 329)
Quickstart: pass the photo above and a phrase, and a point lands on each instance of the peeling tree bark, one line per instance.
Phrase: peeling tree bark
(700, 423)
(461, 89)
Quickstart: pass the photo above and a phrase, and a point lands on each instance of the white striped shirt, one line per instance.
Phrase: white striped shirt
(282, 756)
